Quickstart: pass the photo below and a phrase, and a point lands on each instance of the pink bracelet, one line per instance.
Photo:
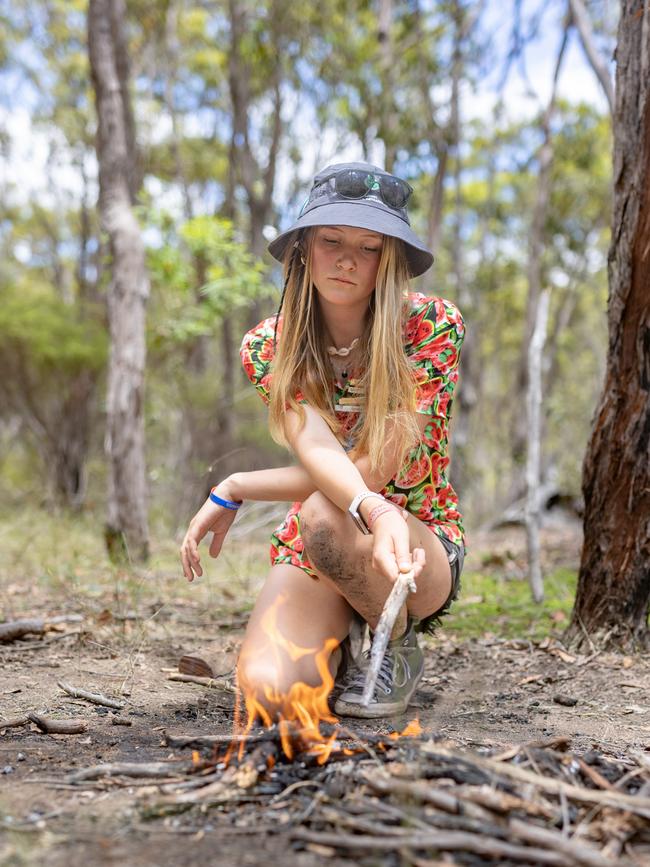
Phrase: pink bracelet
(380, 510)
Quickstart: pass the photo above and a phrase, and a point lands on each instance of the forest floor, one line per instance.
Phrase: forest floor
(497, 675)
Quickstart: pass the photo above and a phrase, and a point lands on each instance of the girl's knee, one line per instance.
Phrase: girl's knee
(322, 529)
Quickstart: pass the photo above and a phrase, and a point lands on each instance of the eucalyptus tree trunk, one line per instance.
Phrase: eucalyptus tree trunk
(127, 526)
(387, 67)
(534, 450)
(614, 580)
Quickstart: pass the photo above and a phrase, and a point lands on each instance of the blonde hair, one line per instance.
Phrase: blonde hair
(301, 363)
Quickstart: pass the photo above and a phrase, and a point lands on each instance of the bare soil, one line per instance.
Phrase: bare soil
(479, 693)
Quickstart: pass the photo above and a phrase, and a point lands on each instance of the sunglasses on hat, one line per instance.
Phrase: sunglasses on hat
(358, 184)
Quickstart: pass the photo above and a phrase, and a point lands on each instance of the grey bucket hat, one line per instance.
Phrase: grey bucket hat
(365, 197)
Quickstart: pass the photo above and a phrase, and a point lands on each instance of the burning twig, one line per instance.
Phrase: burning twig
(94, 697)
(404, 585)
(58, 726)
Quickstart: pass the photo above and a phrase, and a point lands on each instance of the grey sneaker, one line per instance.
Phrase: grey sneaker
(398, 678)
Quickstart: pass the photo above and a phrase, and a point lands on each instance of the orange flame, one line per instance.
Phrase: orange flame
(411, 730)
(301, 709)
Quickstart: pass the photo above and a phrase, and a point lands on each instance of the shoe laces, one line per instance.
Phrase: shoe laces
(357, 677)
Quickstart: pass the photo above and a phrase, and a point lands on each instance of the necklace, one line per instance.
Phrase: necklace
(344, 351)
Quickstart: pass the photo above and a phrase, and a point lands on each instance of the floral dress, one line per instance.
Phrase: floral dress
(433, 335)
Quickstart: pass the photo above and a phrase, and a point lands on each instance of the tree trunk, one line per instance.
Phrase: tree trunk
(127, 527)
(534, 447)
(536, 246)
(614, 579)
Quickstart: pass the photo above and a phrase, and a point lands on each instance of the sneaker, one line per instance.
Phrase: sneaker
(399, 675)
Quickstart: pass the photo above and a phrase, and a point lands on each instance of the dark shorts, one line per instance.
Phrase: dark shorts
(456, 557)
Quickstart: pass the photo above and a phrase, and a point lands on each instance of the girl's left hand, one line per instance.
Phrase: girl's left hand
(210, 518)
(391, 552)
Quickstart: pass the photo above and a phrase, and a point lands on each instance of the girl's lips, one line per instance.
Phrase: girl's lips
(342, 280)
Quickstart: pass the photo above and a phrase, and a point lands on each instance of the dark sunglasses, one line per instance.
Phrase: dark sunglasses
(357, 184)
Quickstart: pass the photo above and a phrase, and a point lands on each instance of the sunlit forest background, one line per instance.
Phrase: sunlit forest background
(235, 107)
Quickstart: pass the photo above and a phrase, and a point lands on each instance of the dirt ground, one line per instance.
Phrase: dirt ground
(479, 693)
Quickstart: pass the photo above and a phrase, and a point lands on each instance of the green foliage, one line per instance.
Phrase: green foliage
(49, 333)
(202, 273)
(503, 607)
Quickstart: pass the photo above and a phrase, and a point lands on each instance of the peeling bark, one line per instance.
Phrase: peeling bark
(614, 580)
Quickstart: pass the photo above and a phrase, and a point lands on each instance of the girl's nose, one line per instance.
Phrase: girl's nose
(346, 260)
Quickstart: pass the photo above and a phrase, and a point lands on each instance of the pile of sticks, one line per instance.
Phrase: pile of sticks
(530, 806)
(534, 804)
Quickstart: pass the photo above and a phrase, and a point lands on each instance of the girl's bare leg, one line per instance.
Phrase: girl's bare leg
(307, 613)
(342, 557)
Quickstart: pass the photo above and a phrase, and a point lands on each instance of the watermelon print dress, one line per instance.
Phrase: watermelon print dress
(433, 335)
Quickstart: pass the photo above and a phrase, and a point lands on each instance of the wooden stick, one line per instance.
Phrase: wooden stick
(580, 852)
(58, 726)
(94, 697)
(17, 628)
(123, 769)
(441, 841)
(182, 741)
(210, 682)
(619, 801)
(596, 778)
(14, 722)
(404, 584)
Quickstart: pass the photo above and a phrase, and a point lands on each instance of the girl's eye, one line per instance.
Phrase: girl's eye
(372, 249)
(330, 240)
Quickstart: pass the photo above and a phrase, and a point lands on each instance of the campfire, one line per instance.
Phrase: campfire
(301, 720)
(290, 767)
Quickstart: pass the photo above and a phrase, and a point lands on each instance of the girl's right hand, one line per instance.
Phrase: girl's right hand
(210, 518)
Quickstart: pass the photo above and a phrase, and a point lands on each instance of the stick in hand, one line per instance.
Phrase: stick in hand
(404, 584)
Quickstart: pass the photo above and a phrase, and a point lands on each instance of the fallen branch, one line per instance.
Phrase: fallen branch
(14, 722)
(404, 584)
(619, 801)
(58, 726)
(94, 697)
(17, 628)
(440, 841)
(417, 790)
(153, 770)
(210, 682)
(578, 852)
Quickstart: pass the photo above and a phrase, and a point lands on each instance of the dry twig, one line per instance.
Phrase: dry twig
(17, 628)
(440, 841)
(210, 682)
(58, 726)
(152, 770)
(94, 697)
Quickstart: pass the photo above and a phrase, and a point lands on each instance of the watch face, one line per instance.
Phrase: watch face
(358, 520)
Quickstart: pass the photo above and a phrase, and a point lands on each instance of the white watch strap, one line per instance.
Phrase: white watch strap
(353, 509)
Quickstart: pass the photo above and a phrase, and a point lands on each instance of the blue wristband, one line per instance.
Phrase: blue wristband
(227, 504)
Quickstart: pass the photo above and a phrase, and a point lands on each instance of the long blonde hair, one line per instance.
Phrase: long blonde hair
(301, 363)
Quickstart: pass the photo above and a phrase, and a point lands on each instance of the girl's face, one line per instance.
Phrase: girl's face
(344, 264)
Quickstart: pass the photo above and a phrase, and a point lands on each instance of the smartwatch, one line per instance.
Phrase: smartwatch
(353, 509)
